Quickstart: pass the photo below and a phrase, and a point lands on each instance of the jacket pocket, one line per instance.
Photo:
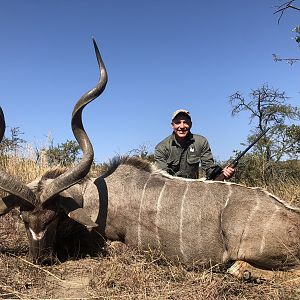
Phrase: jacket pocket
(191, 159)
(173, 161)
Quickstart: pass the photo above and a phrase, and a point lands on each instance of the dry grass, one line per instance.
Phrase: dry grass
(122, 273)
(24, 169)
(128, 275)
(289, 190)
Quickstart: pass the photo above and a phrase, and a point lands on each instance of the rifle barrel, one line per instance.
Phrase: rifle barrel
(236, 160)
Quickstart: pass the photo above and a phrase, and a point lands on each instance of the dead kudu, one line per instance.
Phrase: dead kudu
(193, 221)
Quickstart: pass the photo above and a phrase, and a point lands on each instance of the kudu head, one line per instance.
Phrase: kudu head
(51, 199)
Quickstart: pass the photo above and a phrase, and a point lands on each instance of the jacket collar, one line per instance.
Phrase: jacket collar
(188, 141)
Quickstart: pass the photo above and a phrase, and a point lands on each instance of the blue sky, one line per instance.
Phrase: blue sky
(160, 55)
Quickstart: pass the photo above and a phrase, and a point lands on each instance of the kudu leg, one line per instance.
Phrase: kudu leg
(245, 271)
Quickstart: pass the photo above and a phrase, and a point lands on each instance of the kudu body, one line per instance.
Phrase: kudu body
(198, 222)
(195, 221)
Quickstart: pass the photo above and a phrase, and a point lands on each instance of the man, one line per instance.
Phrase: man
(181, 153)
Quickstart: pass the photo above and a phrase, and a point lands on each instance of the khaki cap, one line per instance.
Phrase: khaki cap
(180, 111)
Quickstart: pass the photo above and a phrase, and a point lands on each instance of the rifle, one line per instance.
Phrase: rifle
(217, 174)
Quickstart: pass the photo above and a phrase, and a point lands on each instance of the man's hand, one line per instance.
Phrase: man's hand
(228, 172)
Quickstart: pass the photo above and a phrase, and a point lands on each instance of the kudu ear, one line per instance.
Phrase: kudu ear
(80, 215)
(9, 202)
(71, 203)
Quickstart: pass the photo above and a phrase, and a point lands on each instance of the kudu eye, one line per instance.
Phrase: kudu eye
(49, 220)
(23, 217)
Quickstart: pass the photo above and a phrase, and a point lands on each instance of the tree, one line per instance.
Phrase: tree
(11, 145)
(268, 107)
(281, 9)
(64, 154)
(143, 152)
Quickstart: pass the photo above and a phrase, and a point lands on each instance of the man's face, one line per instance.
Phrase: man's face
(181, 126)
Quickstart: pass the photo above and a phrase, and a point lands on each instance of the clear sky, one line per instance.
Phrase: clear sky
(160, 55)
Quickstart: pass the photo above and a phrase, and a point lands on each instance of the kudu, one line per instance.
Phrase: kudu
(195, 221)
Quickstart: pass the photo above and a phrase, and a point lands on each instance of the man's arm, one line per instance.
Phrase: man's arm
(207, 161)
(208, 165)
(161, 156)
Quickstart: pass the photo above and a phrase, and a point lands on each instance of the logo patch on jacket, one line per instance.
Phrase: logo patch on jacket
(192, 149)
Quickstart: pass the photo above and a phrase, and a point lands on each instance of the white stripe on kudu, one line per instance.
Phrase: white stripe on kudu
(181, 220)
(229, 195)
(221, 216)
(247, 227)
(266, 230)
(140, 212)
(158, 209)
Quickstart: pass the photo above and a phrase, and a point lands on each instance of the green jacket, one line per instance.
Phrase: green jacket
(183, 161)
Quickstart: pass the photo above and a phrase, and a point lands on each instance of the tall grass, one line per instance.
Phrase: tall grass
(21, 168)
(280, 178)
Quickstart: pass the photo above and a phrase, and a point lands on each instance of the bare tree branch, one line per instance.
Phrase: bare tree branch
(290, 61)
(281, 8)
